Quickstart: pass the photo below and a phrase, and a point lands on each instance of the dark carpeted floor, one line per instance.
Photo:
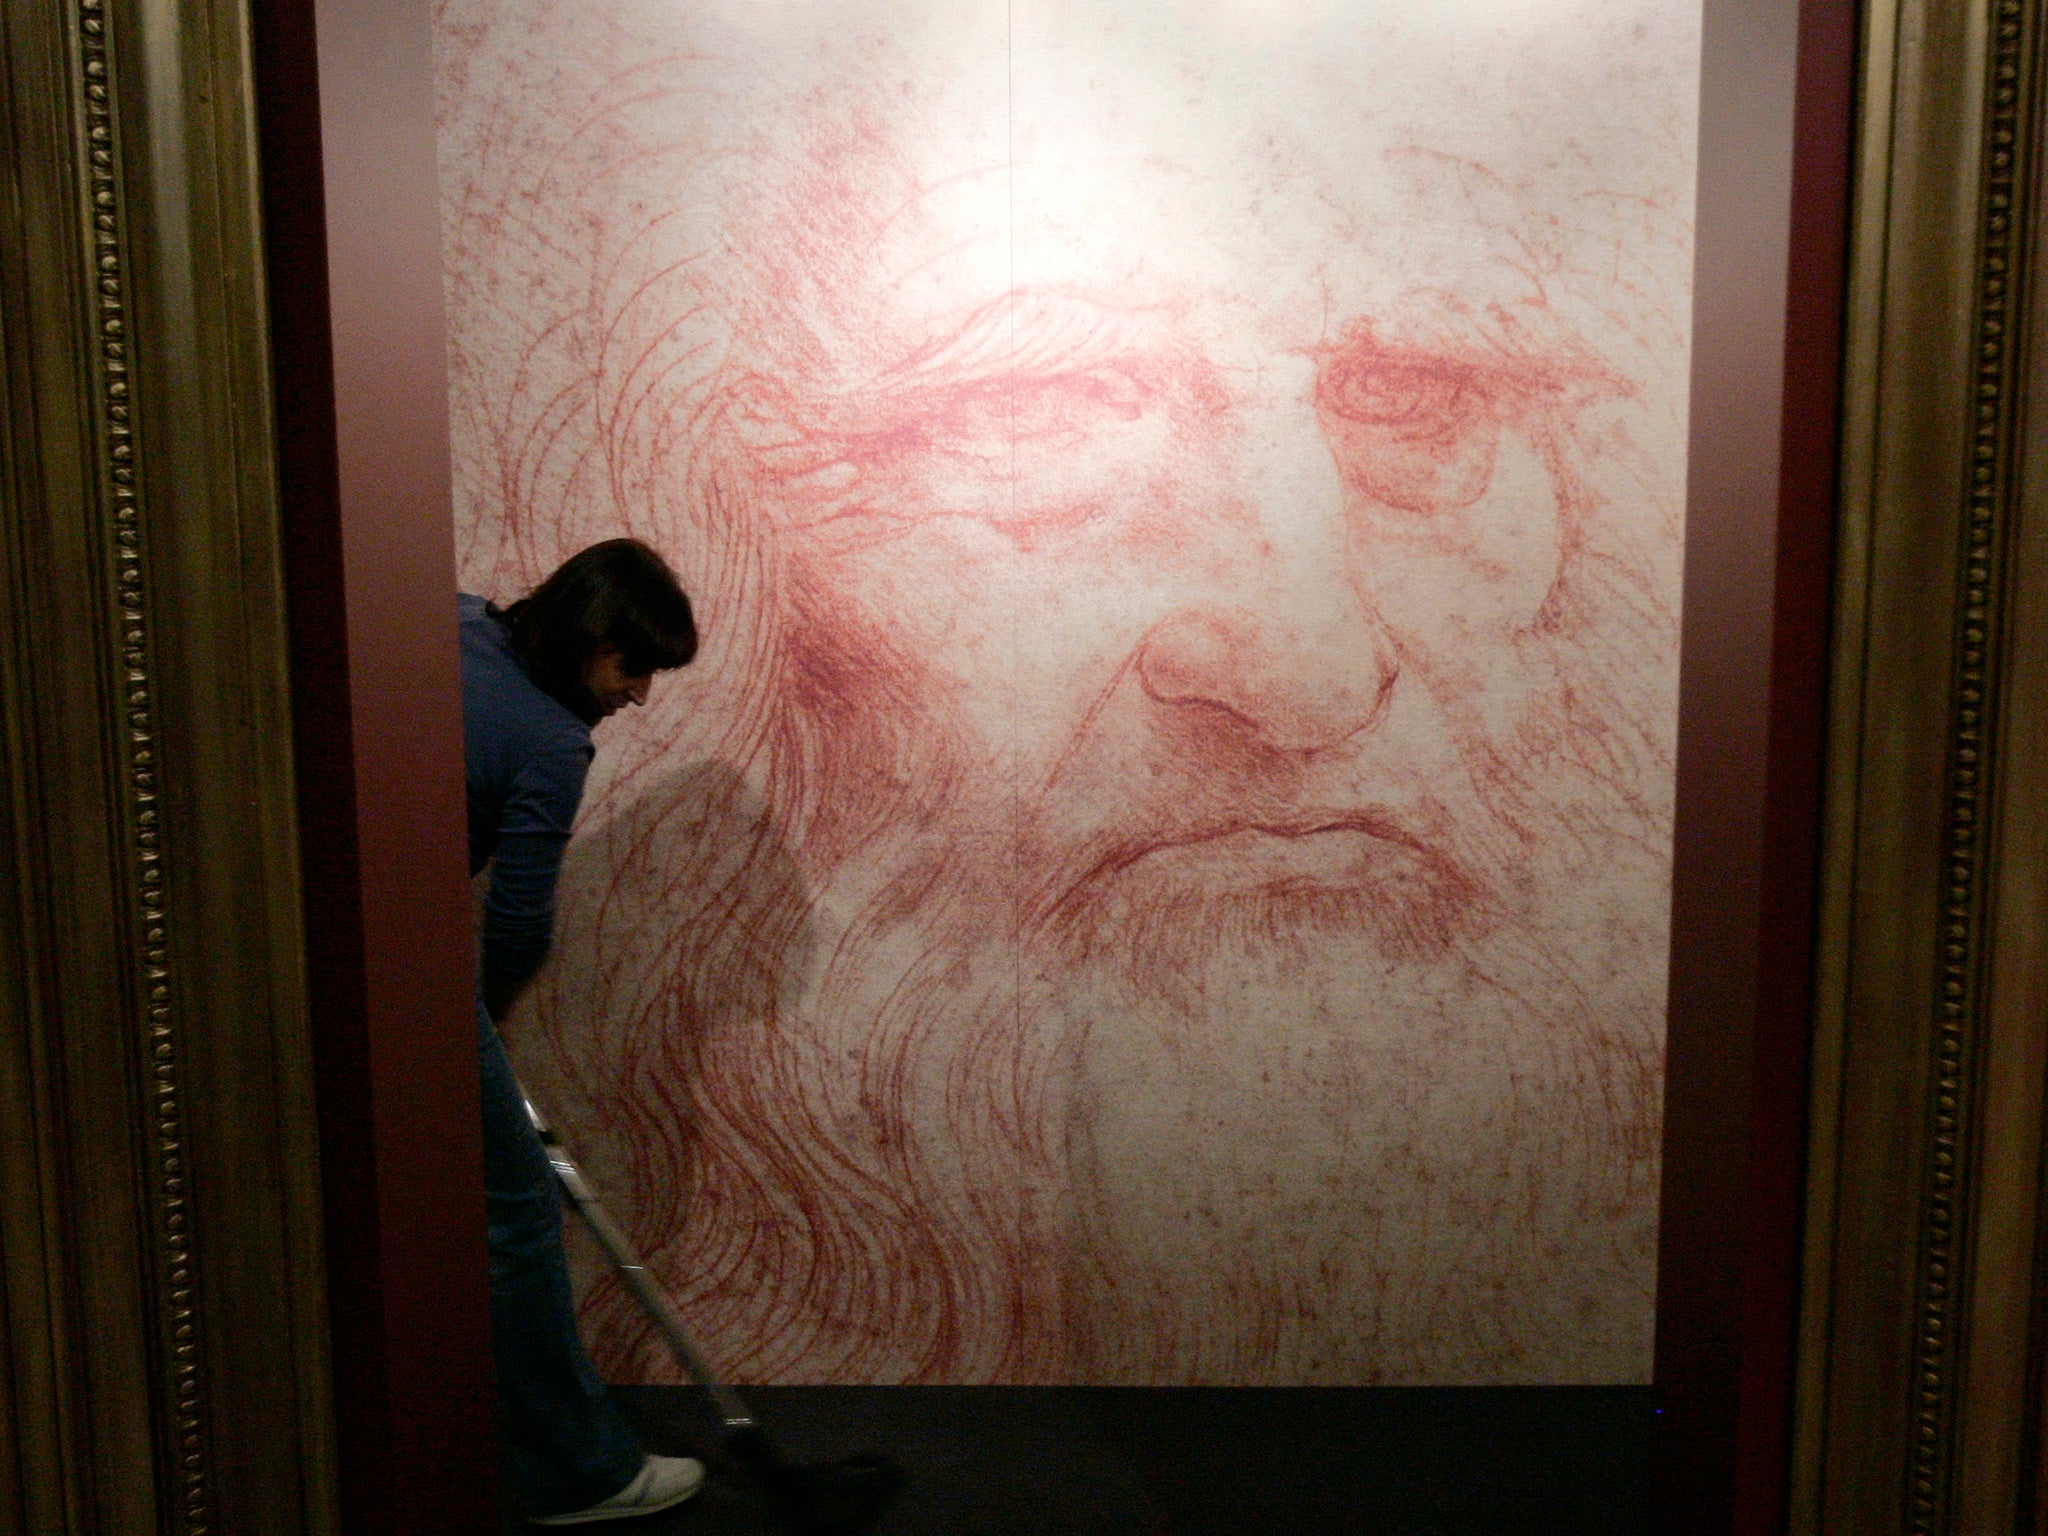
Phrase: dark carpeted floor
(1054, 1461)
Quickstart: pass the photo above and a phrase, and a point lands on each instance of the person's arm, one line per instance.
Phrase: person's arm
(519, 908)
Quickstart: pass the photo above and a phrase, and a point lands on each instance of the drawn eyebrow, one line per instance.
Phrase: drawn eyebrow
(1493, 349)
(1027, 330)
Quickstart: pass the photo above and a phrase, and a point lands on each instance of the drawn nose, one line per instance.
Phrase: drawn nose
(1296, 687)
(1292, 650)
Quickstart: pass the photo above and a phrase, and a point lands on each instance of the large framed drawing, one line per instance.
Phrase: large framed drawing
(1161, 875)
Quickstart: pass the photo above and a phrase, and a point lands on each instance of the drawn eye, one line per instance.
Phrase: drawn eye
(1411, 399)
(1028, 407)
(1111, 391)
(1023, 451)
(1415, 435)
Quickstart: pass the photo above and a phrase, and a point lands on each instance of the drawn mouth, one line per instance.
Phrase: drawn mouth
(1342, 852)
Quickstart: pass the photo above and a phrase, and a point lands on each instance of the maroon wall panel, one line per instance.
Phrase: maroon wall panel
(345, 95)
(348, 145)
(1758, 552)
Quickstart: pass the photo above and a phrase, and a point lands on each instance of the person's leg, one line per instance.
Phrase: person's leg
(566, 1444)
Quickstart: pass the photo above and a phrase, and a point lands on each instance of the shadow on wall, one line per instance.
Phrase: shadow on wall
(683, 935)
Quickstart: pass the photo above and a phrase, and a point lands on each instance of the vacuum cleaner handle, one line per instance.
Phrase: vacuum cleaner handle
(844, 1498)
(651, 1296)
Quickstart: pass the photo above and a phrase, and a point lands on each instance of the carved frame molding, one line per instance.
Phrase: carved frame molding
(161, 1295)
(1920, 1351)
(161, 1283)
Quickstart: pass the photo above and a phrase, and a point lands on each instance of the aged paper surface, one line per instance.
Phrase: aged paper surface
(1160, 874)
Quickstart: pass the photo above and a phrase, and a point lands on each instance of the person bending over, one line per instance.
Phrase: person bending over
(536, 676)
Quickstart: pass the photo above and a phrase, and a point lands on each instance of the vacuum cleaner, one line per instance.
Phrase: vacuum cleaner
(838, 1498)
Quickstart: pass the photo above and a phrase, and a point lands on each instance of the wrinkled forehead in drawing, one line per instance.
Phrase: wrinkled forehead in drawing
(866, 196)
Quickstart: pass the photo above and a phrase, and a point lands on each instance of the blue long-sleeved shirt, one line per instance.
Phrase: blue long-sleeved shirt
(526, 755)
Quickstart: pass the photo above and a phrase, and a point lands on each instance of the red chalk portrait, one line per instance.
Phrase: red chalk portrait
(1161, 872)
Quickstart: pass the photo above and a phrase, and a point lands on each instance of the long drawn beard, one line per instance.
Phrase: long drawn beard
(839, 1166)
(951, 1152)
(879, 1111)
(1348, 1174)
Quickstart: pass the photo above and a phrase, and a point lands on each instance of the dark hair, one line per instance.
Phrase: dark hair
(619, 593)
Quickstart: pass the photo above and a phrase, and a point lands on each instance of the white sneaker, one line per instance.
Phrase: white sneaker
(663, 1482)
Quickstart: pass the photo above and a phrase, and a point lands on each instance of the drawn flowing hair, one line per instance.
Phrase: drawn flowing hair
(609, 328)
(593, 395)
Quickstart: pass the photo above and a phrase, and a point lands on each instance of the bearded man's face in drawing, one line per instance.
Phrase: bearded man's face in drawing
(1195, 524)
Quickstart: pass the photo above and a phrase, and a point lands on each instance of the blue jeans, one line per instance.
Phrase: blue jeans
(566, 1446)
